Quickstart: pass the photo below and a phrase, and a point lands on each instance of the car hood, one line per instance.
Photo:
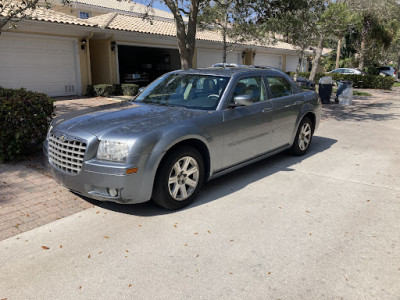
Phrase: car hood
(125, 117)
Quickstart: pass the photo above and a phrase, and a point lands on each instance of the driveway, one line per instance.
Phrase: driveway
(325, 225)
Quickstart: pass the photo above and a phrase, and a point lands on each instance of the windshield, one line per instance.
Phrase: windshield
(197, 91)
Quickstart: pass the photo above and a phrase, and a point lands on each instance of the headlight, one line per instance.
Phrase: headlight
(114, 151)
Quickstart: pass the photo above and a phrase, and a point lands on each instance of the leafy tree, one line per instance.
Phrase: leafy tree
(297, 21)
(219, 14)
(376, 19)
(342, 18)
(12, 12)
(232, 18)
(333, 22)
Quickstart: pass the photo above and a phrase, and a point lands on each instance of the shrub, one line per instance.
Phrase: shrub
(90, 90)
(359, 81)
(129, 89)
(117, 89)
(24, 120)
(104, 90)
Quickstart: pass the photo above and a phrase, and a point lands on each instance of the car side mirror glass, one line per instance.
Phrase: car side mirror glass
(242, 100)
(141, 89)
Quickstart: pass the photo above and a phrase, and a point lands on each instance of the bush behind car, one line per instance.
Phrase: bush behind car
(105, 90)
(359, 81)
(24, 121)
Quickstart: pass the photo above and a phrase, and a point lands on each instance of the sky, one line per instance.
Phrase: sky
(156, 4)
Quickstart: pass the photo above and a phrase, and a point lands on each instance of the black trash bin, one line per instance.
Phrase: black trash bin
(325, 91)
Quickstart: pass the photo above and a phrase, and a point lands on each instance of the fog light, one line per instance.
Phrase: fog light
(112, 192)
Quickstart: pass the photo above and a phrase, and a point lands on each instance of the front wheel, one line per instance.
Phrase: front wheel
(303, 138)
(179, 178)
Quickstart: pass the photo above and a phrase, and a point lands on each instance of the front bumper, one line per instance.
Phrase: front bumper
(96, 178)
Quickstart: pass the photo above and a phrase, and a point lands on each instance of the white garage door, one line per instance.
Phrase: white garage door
(43, 64)
(291, 64)
(268, 60)
(207, 57)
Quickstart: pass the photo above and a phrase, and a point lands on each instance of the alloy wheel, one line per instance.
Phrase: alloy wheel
(305, 136)
(183, 178)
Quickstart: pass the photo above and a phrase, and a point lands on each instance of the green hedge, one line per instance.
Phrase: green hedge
(359, 81)
(24, 120)
(129, 89)
(105, 90)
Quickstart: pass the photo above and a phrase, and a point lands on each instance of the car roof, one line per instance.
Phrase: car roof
(228, 71)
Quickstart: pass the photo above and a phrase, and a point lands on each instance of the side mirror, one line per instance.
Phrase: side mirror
(242, 100)
(141, 89)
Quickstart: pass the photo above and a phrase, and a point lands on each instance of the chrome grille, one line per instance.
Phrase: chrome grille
(66, 154)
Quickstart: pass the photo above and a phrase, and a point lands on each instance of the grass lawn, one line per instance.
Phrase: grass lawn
(358, 93)
(396, 84)
(355, 93)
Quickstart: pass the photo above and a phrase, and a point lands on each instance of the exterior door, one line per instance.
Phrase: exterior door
(247, 129)
(286, 106)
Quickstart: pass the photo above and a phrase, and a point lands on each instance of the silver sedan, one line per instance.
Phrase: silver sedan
(187, 127)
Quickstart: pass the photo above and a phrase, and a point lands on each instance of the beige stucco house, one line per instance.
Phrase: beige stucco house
(61, 50)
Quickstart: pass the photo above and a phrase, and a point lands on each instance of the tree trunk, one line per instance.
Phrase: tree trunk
(225, 46)
(363, 47)
(317, 57)
(299, 63)
(186, 39)
(339, 49)
(362, 51)
(398, 64)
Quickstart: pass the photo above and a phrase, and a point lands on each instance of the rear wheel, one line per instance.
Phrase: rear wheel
(179, 178)
(303, 138)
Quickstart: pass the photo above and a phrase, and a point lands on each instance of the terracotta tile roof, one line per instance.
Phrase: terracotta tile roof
(47, 15)
(102, 20)
(126, 6)
(43, 14)
(168, 28)
(131, 23)
(137, 24)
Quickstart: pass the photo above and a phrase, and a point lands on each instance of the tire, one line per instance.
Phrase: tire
(179, 178)
(303, 138)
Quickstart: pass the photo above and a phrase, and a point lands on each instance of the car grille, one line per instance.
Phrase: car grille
(66, 154)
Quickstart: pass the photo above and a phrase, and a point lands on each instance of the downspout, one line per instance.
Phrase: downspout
(88, 64)
(104, 25)
(111, 53)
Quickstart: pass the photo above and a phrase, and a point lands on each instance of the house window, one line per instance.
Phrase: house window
(84, 15)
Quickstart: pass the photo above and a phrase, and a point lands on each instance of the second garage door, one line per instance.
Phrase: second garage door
(207, 57)
(268, 60)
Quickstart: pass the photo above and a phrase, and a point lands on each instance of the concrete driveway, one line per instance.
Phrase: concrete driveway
(323, 226)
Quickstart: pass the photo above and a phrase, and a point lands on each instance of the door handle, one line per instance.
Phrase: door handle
(298, 102)
(265, 110)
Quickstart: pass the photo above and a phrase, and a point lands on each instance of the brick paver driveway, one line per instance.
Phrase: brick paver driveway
(29, 197)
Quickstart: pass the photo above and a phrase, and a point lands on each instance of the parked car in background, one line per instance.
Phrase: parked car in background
(305, 83)
(187, 127)
(388, 71)
(347, 71)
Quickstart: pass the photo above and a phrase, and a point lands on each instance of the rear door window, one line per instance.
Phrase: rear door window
(279, 87)
(252, 86)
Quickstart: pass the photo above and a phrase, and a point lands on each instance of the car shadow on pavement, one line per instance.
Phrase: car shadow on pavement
(227, 184)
